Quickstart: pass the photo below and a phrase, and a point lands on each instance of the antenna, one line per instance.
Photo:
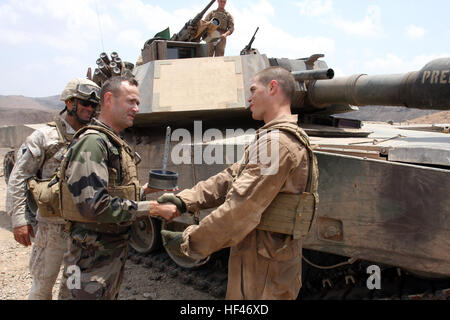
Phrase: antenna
(99, 25)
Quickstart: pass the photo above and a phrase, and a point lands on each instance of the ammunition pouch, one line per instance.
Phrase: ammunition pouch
(45, 193)
(290, 214)
(71, 211)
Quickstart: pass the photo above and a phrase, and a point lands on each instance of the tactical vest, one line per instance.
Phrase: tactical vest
(127, 188)
(292, 214)
(45, 192)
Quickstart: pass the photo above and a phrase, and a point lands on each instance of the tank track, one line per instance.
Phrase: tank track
(349, 282)
(341, 283)
(210, 278)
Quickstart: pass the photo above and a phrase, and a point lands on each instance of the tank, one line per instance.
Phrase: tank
(383, 187)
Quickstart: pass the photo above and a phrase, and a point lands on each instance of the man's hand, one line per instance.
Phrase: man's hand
(173, 240)
(22, 235)
(171, 198)
(168, 211)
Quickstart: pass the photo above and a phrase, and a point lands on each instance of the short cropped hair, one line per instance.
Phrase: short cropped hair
(114, 85)
(284, 78)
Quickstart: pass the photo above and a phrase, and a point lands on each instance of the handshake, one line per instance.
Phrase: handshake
(167, 206)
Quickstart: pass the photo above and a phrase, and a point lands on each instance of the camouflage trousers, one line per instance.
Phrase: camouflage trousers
(217, 50)
(46, 258)
(93, 265)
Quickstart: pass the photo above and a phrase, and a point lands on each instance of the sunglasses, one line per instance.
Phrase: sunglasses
(87, 103)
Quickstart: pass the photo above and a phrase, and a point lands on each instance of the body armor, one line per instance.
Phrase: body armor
(128, 188)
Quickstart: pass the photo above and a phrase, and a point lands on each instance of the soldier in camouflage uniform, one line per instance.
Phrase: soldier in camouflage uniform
(226, 28)
(39, 156)
(100, 197)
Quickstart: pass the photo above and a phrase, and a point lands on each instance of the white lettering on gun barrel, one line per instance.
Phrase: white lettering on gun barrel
(436, 77)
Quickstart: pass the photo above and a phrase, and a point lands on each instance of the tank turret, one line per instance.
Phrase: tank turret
(186, 86)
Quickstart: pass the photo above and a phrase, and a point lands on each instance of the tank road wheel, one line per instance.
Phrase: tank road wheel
(8, 164)
(145, 235)
(184, 262)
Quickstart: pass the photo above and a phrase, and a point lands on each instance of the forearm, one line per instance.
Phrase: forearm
(120, 211)
(209, 193)
(16, 203)
(25, 168)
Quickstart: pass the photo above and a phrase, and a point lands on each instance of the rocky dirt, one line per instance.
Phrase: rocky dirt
(140, 282)
(439, 117)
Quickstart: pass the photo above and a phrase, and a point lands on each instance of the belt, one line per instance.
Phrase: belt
(105, 227)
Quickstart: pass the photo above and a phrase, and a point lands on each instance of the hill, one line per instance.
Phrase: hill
(16, 110)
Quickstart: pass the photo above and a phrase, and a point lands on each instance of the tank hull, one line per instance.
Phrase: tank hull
(372, 209)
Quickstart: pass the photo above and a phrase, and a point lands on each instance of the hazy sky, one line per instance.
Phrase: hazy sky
(45, 43)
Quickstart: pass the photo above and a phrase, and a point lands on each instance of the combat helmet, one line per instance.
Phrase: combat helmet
(82, 89)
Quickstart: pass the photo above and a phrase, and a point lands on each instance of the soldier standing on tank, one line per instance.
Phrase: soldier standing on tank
(100, 196)
(262, 264)
(226, 28)
(39, 156)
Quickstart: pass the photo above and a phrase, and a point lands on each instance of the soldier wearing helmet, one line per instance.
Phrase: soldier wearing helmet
(39, 158)
(80, 92)
(226, 28)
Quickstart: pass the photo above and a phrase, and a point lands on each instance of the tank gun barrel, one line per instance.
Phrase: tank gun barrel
(313, 74)
(428, 88)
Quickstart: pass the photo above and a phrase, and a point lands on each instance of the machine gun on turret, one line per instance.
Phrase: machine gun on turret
(186, 43)
(194, 29)
(248, 48)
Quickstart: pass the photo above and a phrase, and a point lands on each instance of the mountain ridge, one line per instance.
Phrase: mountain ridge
(19, 109)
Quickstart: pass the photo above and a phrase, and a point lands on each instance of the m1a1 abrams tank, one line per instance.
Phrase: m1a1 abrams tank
(383, 188)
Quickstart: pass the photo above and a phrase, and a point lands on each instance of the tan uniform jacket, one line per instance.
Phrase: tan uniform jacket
(256, 269)
(225, 19)
(31, 160)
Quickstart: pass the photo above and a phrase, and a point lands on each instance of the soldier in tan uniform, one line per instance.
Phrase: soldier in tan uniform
(39, 156)
(262, 264)
(226, 28)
